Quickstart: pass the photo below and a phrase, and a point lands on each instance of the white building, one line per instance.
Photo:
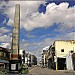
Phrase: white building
(22, 53)
(59, 51)
(25, 60)
(63, 47)
(45, 56)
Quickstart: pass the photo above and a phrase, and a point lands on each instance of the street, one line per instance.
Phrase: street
(45, 71)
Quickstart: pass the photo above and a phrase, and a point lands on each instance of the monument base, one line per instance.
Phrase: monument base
(14, 66)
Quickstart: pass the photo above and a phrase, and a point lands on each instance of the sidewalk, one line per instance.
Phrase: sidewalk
(59, 71)
(29, 68)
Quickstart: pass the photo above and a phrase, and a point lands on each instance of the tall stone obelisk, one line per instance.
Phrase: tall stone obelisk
(14, 62)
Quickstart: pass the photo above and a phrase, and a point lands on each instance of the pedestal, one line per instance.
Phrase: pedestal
(14, 66)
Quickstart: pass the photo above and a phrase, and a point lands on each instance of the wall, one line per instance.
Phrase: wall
(66, 45)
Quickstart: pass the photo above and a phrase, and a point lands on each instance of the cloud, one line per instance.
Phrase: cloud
(3, 30)
(31, 18)
(2, 3)
(5, 45)
(27, 8)
(10, 22)
(54, 14)
(30, 35)
(36, 48)
(69, 36)
(5, 39)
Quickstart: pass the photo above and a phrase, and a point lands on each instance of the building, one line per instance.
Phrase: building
(22, 54)
(33, 60)
(4, 57)
(51, 54)
(45, 57)
(26, 57)
(29, 60)
(73, 58)
(58, 52)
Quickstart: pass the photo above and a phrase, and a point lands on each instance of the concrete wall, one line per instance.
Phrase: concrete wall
(21, 52)
(66, 45)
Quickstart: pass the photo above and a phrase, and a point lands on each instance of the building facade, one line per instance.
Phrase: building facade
(34, 60)
(58, 52)
(45, 57)
(22, 54)
(4, 57)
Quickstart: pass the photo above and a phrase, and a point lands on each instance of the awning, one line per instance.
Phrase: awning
(3, 61)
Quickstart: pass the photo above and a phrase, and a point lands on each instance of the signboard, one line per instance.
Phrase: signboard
(13, 66)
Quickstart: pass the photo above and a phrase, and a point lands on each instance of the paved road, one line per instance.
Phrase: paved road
(45, 71)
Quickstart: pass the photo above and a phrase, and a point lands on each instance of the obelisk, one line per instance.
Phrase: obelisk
(14, 62)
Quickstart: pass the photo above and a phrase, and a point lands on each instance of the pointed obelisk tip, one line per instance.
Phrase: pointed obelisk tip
(17, 5)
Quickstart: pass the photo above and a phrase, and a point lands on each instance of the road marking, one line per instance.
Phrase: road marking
(41, 71)
(31, 69)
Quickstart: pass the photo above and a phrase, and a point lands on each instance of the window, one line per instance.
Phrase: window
(62, 50)
(4, 54)
(72, 51)
(0, 53)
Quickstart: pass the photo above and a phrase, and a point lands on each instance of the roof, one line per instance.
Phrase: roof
(70, 41)
(5, 49)
(66, 40)
(46, 48)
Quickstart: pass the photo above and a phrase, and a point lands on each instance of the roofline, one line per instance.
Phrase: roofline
(6, 49)
(64, 40)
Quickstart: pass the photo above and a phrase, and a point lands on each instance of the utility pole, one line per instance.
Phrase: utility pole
(14, 63)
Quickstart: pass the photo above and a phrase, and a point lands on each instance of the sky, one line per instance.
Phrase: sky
(41, 23)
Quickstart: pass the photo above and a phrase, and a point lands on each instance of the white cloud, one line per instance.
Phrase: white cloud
(2, 3)
(3, 30)
(5, 35)
(31, 18)
(5, 39)
(30, 35)
(5, 45)
(69, 36)
(37, 48)
(10, 22)
(27, 8)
